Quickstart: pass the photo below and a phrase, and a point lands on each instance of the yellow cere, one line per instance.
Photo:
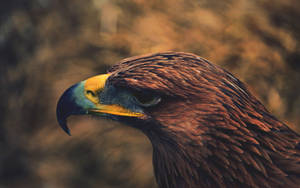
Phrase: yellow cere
(93, 86)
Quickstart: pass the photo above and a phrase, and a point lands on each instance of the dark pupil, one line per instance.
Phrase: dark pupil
(143, 98)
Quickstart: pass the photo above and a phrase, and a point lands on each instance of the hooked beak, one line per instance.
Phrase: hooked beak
(84, 98)
(67, 106)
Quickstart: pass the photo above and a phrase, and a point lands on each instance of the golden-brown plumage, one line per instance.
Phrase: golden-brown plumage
(208, 130)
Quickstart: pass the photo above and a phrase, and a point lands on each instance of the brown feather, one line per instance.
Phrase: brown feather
(208, 130)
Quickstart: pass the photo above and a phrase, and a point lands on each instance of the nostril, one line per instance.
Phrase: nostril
(89, 92)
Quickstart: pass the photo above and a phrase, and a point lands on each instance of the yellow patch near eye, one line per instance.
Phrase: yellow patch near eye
(93, 86)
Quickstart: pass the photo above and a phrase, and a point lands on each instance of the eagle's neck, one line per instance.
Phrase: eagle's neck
(223, 160)
(215, 144)
(174, 164)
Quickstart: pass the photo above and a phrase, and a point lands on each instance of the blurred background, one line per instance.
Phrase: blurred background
(48, 45)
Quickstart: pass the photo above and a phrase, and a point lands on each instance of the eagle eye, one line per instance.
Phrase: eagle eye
(146, 100)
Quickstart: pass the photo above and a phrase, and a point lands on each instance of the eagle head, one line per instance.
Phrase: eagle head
(206, 128)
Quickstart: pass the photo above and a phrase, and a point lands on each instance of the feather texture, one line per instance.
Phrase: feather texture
(208, 130)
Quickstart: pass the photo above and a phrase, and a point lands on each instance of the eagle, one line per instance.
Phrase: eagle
(206, 128)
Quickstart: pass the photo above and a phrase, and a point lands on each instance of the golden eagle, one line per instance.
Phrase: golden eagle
(206, 128)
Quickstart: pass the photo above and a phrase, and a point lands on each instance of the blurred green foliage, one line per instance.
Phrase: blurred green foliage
(46, 46)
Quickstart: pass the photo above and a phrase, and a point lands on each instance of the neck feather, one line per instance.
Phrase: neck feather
(225, 159)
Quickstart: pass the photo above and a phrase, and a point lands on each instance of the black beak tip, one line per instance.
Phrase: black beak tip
(66, 107)
(62, 120)
(65, 128)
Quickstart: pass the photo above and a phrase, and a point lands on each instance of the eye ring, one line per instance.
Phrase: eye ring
(146, 100)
